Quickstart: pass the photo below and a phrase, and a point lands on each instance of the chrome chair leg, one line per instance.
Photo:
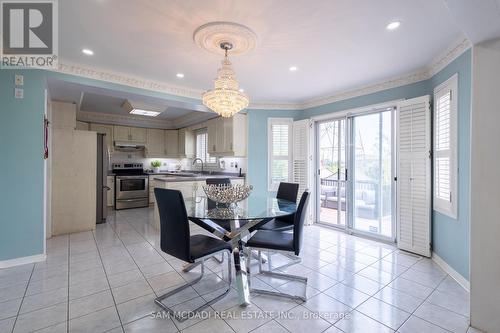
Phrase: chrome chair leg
(220, 261)
(289, 277)
(159, 300)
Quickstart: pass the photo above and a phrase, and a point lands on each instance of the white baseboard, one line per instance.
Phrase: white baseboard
(22, 261)
(451, 272)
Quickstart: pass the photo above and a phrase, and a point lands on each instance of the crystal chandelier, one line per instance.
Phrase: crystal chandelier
(225, 99)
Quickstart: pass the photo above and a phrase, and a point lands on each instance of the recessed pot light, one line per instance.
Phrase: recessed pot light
(292, 68)
(393, 25)
(180, 75)
(88, 52)
(241, 90)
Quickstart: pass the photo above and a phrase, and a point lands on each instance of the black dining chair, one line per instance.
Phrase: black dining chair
(286, 191)
(281, 242)
(176, 240)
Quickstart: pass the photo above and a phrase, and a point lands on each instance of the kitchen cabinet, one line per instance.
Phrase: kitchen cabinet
(155, 143)
(82, 126)
(138, 134)
(186, 143)
(212, 136)
(104, 129)
(227, 136)
(111, 192)
(134, 134)
(172, 143)
(63, 115)
(152, 186)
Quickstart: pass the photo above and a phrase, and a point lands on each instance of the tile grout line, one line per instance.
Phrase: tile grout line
(107, 280)
(201, 296)
(22, 300)
(149, 284)
(69, 260)
(147, 241)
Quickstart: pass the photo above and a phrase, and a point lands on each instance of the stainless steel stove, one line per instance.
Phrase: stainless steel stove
(131, 186)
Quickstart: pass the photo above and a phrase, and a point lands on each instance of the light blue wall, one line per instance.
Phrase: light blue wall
(21, 167)
(257, 146)
(450, 237)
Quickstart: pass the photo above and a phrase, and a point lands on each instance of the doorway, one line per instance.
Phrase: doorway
(355, 173)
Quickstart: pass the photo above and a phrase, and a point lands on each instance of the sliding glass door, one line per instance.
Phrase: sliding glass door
(332, 187)
(355, 173)
(372, 177)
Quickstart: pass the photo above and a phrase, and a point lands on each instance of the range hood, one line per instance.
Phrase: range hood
(129, 146)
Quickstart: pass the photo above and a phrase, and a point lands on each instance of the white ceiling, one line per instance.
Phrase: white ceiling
(336, 44)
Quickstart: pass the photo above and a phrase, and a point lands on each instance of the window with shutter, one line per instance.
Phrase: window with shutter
(202, 147)
(280, 151)
(445, 143)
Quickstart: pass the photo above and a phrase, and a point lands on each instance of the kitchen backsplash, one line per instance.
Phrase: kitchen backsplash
(228, 164)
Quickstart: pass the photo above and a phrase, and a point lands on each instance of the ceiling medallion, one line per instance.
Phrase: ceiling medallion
(211, 35)
(225, 99)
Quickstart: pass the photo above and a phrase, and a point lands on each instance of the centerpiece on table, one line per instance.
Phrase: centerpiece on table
(229, 194)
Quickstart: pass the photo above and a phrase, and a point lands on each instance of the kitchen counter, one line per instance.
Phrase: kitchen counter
(173, 178)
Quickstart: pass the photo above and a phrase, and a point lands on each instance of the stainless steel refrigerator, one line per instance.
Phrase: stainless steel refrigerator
(102, 177)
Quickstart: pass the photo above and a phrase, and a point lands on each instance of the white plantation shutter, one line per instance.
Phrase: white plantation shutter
(302, 159)
(414, 175)
(445, 143)
(280, 151)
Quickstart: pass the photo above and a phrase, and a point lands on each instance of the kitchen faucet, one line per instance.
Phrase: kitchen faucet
(199, 159)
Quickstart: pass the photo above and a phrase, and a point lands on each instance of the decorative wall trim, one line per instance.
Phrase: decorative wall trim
(367, 89)
(446, 57)
(451, 272)
(127, 80)
(192, 118)
(443, 59)
(126, 120)
(440, 62)
(22, 261)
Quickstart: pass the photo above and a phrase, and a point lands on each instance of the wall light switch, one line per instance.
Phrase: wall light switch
(19, 93)
(19, 80)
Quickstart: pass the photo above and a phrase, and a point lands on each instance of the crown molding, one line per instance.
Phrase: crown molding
(192, 119)
(442, 60)
(125, 120)
(127, 80)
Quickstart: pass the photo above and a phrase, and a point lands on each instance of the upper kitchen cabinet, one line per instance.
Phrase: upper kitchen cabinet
(212, 125)
(63, 115)
(155, 144)
(82, 126)
(228, 136)
(104, 129)
(134, 134)
(186, 143)
(138, 134)
(172, 143)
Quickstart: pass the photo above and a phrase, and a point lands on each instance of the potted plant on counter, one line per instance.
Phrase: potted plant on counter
(156, 166)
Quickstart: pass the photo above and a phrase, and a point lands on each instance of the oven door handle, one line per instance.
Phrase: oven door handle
(131, 200)
(132, 177)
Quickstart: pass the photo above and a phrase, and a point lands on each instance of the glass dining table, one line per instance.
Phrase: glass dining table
(234, 223)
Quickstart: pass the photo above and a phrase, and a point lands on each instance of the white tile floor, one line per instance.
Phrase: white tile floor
(105, 281)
